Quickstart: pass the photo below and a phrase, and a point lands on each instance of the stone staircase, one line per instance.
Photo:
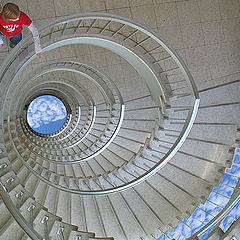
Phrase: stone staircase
(121, 167)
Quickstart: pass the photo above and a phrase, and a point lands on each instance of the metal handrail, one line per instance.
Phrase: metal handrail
(182, 137)
(27, 228)
(148, 31)
(121, 115)
(106, 16)
(162, 42)
(132, 183)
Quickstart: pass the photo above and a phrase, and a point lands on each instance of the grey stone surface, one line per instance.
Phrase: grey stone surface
(206, 34)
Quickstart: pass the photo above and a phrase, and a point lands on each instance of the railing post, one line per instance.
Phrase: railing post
(45, 227)
(60, 232)
(30, 209)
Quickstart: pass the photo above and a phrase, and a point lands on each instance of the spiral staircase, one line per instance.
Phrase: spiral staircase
(137, 152)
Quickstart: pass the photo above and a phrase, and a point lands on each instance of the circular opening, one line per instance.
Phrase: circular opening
(46, 114)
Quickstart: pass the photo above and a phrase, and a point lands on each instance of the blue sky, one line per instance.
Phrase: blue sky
(46, 114)
(216, 201)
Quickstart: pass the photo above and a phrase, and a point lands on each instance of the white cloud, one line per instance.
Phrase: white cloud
(45, 109)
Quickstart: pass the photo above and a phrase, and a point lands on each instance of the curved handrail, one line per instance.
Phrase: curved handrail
(121, 115)
(191, 114)
(27, 228)
(148, 31)
(107, 16)
(132, 183)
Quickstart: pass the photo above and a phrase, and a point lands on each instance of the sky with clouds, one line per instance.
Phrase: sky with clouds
(205, 212)
(46, 114)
